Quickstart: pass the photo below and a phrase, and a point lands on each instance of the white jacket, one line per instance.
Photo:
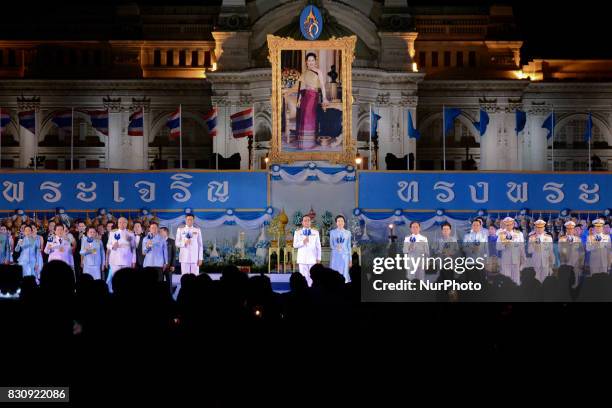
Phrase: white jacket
(310, 253)
(191, 252)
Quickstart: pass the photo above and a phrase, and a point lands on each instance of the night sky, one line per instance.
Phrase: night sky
(550, 29)
(556, 29)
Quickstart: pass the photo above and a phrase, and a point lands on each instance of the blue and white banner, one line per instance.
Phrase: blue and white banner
(206, 190)
(488, 191)
(312, 172)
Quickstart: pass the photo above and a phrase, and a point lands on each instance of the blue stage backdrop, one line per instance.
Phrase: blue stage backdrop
(206, 190)
(487, 191)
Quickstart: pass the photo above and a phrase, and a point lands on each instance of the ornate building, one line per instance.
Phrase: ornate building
(408, 58)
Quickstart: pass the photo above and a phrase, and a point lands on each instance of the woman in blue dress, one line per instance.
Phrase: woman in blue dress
(6, 256)
(340, 243)
(28, 248)
(41, 245)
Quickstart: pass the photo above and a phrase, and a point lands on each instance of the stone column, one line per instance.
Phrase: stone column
(232, 49)
(397, 50)
(28, 142)
(536, 144)
(115, 137)
(491, 143)
(136, 148)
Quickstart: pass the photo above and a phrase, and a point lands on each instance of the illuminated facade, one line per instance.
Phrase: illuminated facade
(416, 59)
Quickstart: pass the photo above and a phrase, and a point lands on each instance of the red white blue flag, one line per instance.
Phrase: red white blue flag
(174, 123)
(27, 120)
(136, 126)
(242, 123)
(211, 122)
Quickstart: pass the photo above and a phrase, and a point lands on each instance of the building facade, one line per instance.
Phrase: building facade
(408, 59)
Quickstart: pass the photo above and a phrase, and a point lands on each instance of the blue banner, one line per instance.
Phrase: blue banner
(206, 190)
(487, 191)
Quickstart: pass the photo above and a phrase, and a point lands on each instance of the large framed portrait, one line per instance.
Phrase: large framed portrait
(312, 99)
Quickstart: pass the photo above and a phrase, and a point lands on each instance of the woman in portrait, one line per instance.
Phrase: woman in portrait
(311, 81)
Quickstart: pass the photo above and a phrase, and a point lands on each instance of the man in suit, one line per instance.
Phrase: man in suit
(138, 235)
(81, 231)
(169, 270)
(109, 227)
(48, 237)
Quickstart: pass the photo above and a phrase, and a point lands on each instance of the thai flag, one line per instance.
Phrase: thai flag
(99, 120)
(27, 119)
(211, 122)
(5, 119)
(136, 126)
(174, 123)
(63, 120)
(242, 123)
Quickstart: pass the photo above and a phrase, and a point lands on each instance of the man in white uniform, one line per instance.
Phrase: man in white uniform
(511, 245)
(308, 244)
(416, 247)
(571, 250)
(191, 249)
(121, 249)
(598, 245)
(540, 247)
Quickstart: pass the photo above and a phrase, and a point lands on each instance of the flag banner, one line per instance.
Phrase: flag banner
(136, 126)
(63, 120)
(549, 124)
(374, 118)
(5, 119)
(99, 120)
(27, 120)
(483, 122)
(174, 124)
(521, 120)
(413, 133)
(211, 122)
(242, 123)
(450, 114)
(588, 132)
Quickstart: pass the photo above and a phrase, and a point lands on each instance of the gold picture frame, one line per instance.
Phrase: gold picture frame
(346, 46)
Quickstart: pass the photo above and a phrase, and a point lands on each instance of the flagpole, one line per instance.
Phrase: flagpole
(443, 138)
(518, 160)
(107, 140)
(215, 141)
(552, 119)
(370, 140)
(72, 140)
(589, 155)
(252, 153)
(407, 150)
(35, 141)
(145, 141)
(0, 138)
(181, 136)
(590, 129)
